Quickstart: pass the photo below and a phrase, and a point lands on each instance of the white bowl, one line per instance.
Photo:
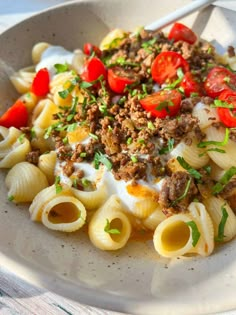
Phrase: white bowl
(135, 279)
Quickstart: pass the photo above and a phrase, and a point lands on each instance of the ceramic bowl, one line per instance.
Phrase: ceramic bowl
(133, 280)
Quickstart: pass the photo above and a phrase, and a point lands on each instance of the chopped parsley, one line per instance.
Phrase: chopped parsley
(211, 150)
(92, 135)
(134, 158)
(100, 158)
(173, 203)
(21, 138)
(164, 105)
(218, 187)
(173, 85)
(60, 68)
(195, 232)
(169, 148)
(150, 126)
(108, 229)
(58, 185)
(221, 227)
(217, 143)
(10, 198)
(219, 103)
(194, 173)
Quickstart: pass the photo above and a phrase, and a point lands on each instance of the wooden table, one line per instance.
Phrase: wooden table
(16, 296)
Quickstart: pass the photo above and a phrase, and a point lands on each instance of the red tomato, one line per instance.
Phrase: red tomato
(40, 85)
(162, 103)
(218, 80)
(227, 115)
(118, 79)
(190, 85)
(90, 48)
(165, 66)
(93, 69)
(182, 32)
(16, 116)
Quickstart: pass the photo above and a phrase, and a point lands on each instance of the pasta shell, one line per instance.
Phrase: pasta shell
(155, 218)
(191, 154)
(39, 142)
(17, 153)
(8, 137)
(42, 198)
(112, 39)
(201, 217)
(47, 164)
(78, 61)
(214, 207)
(143, 208)
(43, 114)
(223, 160)
(112, 212)
(30, 100)
(173, 237)
(92, 200)
(22, 80)
(24, 181)
(64, 213)
(206, 115)
(38, 50)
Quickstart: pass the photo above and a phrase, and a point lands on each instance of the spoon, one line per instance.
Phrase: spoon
(195, 5)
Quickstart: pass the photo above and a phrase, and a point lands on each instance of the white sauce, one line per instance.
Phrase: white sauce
(53, 55)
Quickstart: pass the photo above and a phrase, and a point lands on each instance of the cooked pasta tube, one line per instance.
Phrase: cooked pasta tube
(110, 228)
(24, 181)
(43, 114)
(154, 219)
(224, 159)
(64, 213)
(22, 80)
(7, 138)
(206, 115)
(144, 207)
(38, 50)
(92, 200)
(38, 140)
(47, 164)
(223, 218)
(43, 197)
(16, 154)
(191, 154)
(112, 39)
(183, 234)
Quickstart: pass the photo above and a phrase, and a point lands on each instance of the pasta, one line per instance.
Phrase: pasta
(121, 140)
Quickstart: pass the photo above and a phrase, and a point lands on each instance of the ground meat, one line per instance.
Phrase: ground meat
(229, 193)
(173, 188)
(68, 169)
(33, 157)
(131, 171)
(188, 104)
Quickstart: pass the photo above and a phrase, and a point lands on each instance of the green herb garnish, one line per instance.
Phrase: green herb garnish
(219, 103)
(60, 68)
(58, 185)
(92, 135)
(173, 203)
(195, 232)
(221, 227)
(169, 148)
(101, 158)
(217, 188)
(194, 173)
(217, 143)
(21, 138)
(108, 229)
(10, 198)
(211, 150)
(134, 159)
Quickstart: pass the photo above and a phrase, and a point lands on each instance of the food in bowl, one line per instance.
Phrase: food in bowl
(136, 136)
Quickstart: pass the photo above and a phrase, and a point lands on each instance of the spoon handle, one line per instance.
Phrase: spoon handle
(178, 14)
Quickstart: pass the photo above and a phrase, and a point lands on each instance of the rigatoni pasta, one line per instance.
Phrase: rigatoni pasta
(125, 142)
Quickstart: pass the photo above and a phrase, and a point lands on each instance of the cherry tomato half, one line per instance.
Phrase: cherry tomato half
(227, 115)
(90, 48)
(40, 84)
(218, 80)
(190, 85)
(162, 103)
(182, 32)
(118, 78)
(165, 66)
(93, 69)
(16, 116)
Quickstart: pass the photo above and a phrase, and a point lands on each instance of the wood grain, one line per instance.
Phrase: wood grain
(19, 297)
